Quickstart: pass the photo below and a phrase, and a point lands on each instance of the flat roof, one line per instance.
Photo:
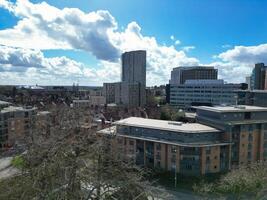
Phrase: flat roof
(4, 103)
(239, 108)
(15, 108)
(112, 131)
(166, 125)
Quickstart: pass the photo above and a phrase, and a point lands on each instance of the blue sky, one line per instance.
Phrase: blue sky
(229, 34)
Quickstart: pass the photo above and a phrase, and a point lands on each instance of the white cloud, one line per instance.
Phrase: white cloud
(237, 63)
(245, 54)
(42, 26)
(176, 42)
(188, 48)
(32, 67)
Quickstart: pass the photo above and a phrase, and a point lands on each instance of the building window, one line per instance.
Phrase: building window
(158, 146)
(158, 164)
(173, 149)
(249, 155)
(131, 142)
(208, 150)
(215, 166)
(215, 157)
(158, 157)
(247, 115)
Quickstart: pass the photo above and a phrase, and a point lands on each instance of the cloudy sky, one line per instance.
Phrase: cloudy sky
(64, 41)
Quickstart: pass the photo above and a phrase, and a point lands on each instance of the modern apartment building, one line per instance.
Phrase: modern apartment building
(15, 123)
(245, 127)
(180, 75)
(259, 77)
(224, 137)
(203, 92)
(131, 91)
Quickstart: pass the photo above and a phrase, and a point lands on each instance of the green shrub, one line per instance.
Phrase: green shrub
(18, 162)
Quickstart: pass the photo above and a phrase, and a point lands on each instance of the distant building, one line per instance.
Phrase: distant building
(180, 75)
(81, 103)
(15, 123)
(259, 77)
(131, 91)
(203, 92)
(109, 92)
(134, 73)
(223, 138)
(252, 97)
(248, 82)
(97, 100)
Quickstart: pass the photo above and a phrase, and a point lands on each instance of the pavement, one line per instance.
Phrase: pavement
(6, 169)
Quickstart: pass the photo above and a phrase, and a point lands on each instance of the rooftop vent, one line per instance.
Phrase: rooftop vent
(175, 123)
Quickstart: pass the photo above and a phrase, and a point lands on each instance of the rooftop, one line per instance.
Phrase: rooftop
(239, 108)
(4, 103)
(15, 108)
(166, 125)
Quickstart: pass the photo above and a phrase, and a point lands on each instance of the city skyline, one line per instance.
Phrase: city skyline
(61, 42)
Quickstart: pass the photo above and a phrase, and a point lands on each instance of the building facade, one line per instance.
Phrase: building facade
(245, 127)
(252, 97)
(131, 91)
(259, 77)
(180, 75)
(223, 138)
(203, 92)
(15, 123)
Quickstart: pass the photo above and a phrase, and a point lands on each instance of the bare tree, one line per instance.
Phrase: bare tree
(68, 162)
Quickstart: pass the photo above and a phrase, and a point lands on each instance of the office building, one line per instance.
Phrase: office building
(15, 123)
(259, 77)
(223, 138)
(180, 75)
(252, 97)
(203, 92)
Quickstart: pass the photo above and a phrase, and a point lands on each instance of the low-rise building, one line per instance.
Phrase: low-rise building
(80, 103)
(223, 138)
(97, 100)
(15, 123)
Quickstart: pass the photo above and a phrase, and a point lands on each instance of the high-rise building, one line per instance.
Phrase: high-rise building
(259, 77)
(134, 67)
(181, 74)
(131, 91)
(134, 73)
